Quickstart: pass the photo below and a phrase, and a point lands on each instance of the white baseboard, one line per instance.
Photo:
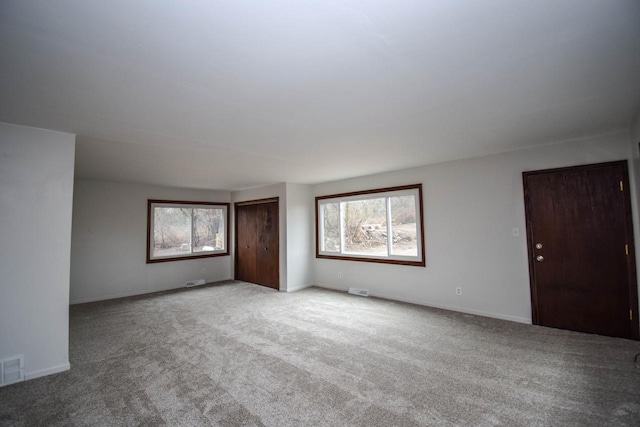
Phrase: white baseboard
(122, 295)
(332, 287)
(135, 293)
(297, 288)
(435, 305)
(49, 371)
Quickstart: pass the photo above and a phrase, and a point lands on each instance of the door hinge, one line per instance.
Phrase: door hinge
(630, 314)
(626, 249)
(621, 186)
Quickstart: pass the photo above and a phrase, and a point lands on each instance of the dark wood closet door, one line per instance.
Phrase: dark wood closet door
(268, 251)
(247, 239)
(257, 243)
(581, 254)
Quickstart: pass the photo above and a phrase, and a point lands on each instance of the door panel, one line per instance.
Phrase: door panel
(257, 243)
(268, 250)
(581, 249)
(246, 232)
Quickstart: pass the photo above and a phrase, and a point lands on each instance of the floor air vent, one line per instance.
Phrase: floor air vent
(11, 370)
(361, 292)
(191, 283)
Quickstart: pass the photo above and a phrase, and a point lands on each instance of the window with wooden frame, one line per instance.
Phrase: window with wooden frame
(178, 230)
(383, 225)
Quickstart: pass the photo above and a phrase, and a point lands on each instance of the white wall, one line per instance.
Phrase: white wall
(267, 192)
(635, 130)
(634, 140)
(300, 236)
(471, 207)
(36, 188)
(108, 248)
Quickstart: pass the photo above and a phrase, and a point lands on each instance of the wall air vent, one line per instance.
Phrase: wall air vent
(11, 370)
(361, 292)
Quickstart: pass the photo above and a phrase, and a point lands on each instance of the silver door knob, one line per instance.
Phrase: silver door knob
(538, 245)
(539, 258)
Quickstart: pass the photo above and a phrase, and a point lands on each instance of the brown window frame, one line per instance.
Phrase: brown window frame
(151, 203)
(418, 261)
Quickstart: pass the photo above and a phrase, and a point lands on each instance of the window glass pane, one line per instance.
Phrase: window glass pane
(404, 227)
(183, 230)
(379, 225)
(208, 230)
(365, 227)
(171, 231)
(331, 227)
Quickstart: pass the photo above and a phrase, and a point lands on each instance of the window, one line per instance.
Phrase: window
(186, 230)
(382, 225)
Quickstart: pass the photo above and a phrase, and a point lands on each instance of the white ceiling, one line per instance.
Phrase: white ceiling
(234, 94)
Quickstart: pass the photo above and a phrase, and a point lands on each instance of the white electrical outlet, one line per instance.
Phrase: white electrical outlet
(339, 275)
(204, 270)
(458, 290)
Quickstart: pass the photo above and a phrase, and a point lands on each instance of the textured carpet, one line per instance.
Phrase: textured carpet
(241, 354)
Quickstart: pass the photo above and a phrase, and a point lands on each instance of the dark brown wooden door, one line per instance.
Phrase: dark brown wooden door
(267, 264)
(581, 252)
(257, 243)
(246, 245)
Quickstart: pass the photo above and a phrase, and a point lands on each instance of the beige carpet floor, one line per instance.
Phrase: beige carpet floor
(237, 354)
